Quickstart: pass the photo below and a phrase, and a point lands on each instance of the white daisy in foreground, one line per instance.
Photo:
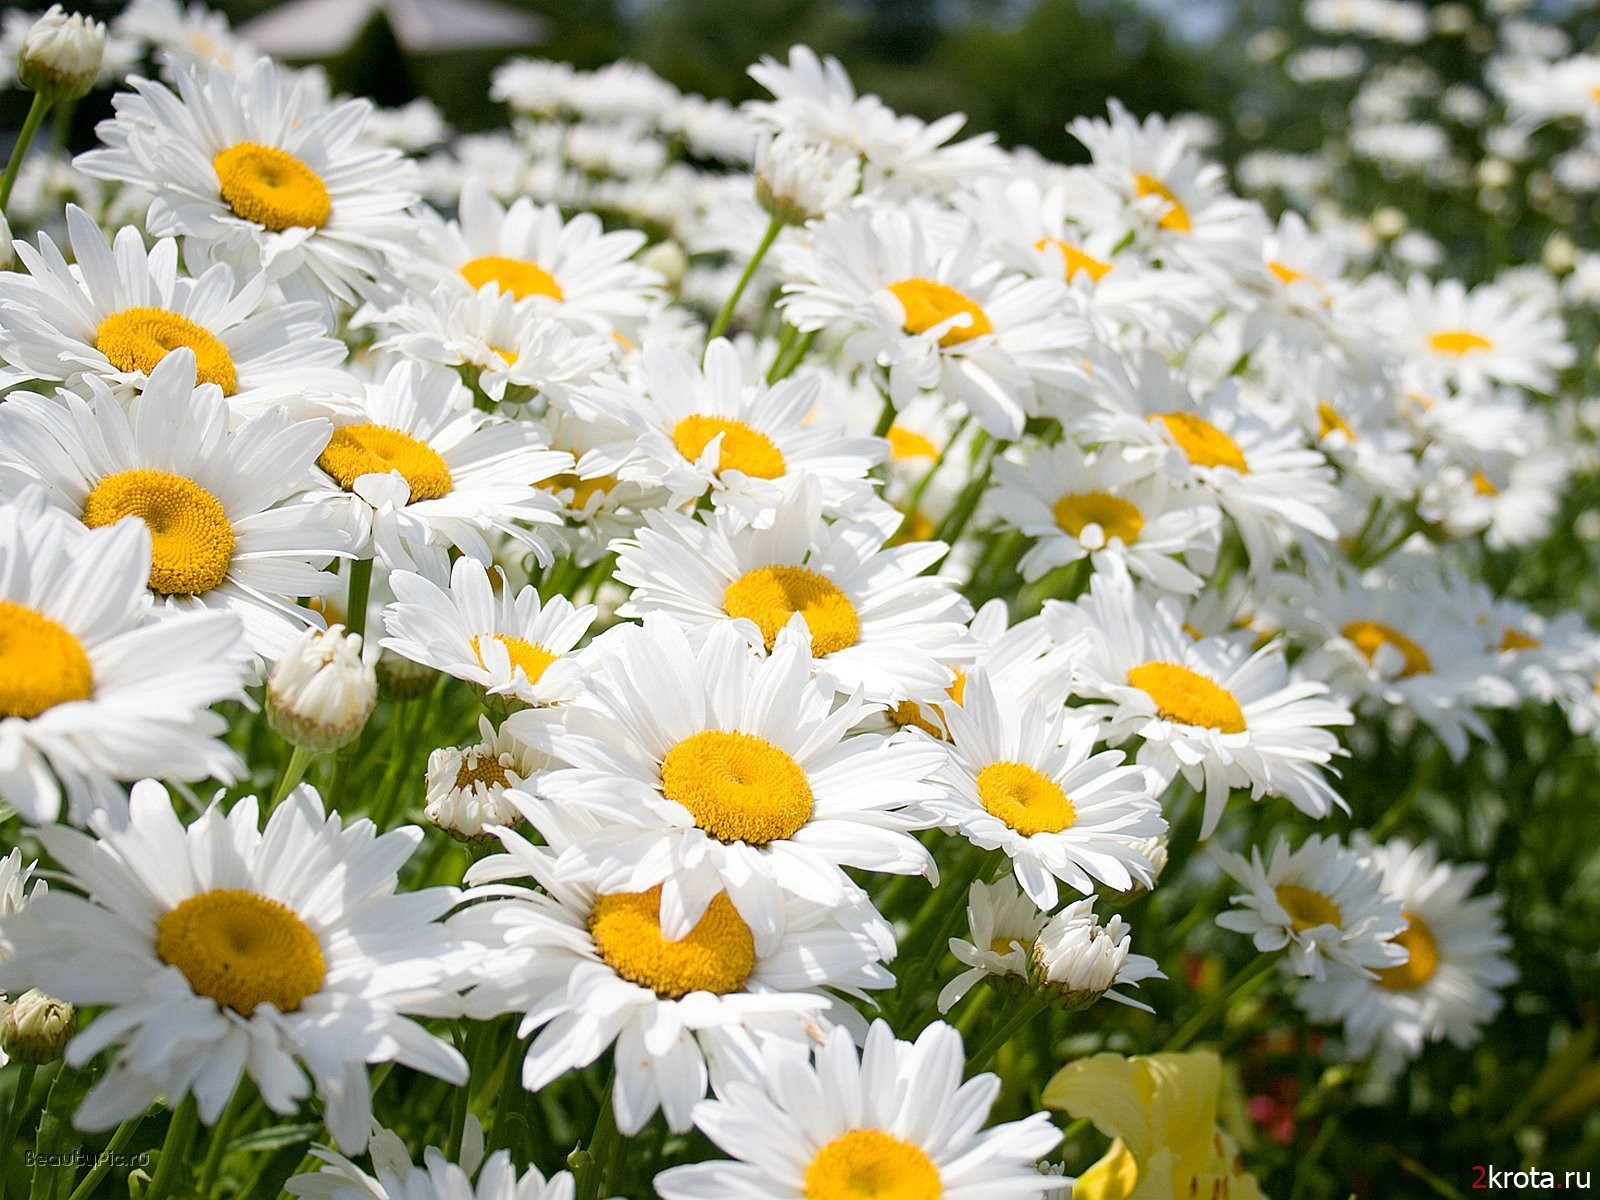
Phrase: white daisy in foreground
(261, 171)
(1449, 985)
(923, 303)
(396, 1177)
(1323, 902)
(92, 691)
(1076, 506)
(1004, 923)
(1077, 960)
(877, 622)
(695, 429)
(714, 770)
(1206, 708)
(512, 647)
(119, 311)
(1487, 334)
(436, 473)
(1019, 779)
(223, 949)
(895, 1120)
(233, 524)
(591, 963)
(572, 270)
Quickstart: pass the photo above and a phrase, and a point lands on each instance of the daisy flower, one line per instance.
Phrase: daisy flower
(260, 171)
(396, 1177)
(571, 270)
(1449, 985)
(1206, 708)
(233, 525)
(1004, 923)
(15, 895)
(895, 1117)
(1323, 902)
(920, 300)
(223, 948)
(877, 623)
(694, 430)
(593, 962)
(434, 473)
(1488, 334)
(467, 786)
(1076, 506)
(513, 647)
(91, 690)
(717, 771)
(1021, 780)
(1078, 960)
(118, 311)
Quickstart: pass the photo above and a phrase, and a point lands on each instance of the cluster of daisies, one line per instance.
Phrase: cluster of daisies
(721, 518)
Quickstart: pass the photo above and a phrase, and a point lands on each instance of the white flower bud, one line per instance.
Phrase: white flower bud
(36, 1028)
(667, 258)
(1077, 960)
(798, 181)
(321, 693)
(8, 254)
(61, 55)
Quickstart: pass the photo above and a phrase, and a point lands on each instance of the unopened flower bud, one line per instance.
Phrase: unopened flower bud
(667, 258)
(321, 693)
(1076, 960)
(401, 678)
(798, 181)
(61, 55)
(8, 254)
(37, 1028)
(1388, 222)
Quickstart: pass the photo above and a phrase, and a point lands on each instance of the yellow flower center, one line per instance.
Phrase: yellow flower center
(41, 663)
(1482, 485)
(515, 275)
(272, 187)
(1024, 799)
(1370, 636)
(743, 448)
(1003, 945)
(906, 443)
(481, 768)
(869, 1164)
(136, 339)
(738, 787)
(1116, 517)
(1203, 442)
(769, 596)
(1287, 275)
(1459, 342)
(581, 489)
(1076, 260)
(242, 949)
(908, 713)
(717, 956)
(364, 449)
(1176, 218)
(1423, 948)
(533, 658)
(928, 302)
(1515, 639)
(1188, 698)
(1307, 909)
(1329, 421)
(191, 538)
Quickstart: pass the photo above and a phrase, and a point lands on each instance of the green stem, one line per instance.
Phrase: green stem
(102, 1164)
(885, 418)
(292, 774)
(30, 126)
(955, 521)
(175, 1150)
(774, 227)
(19, 1106)
(944, 913)
(355, 617)
(785, 365)
(1245, 983)
(1026, 1011)
(221, 1135)
(602, 1151)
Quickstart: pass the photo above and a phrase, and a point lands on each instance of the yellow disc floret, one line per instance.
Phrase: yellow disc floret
(1307, 909)
(1176, 218)
(738, 787)
(928, 302)
(1116, 517)
(1370, 636)
(769, 596)
(869, 1164)
(1329, 422)
(533, 658)
(41, 663)
(717, 955)
(242, 949)
(191, 538)
(744, 448)
(1075, 259)
(1025, 799)
(136, 339)
(358, 450)
(1187, 697)
(1203, 443)
(1423, 948)
(272, 187)
(477, 768)
(515, 275)
(909, 444)
(1459, 342)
